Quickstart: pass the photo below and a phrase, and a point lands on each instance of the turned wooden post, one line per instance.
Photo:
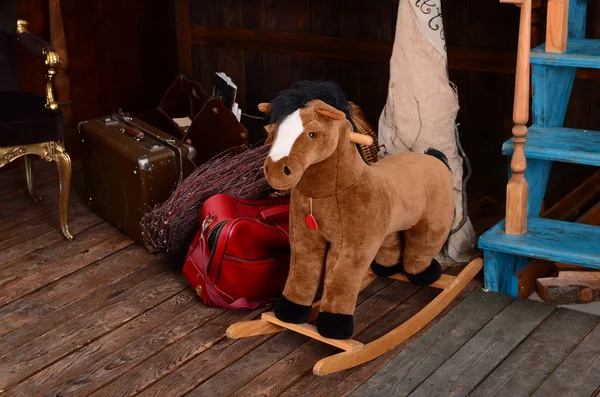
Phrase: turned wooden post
(517, 190)
(59, 42)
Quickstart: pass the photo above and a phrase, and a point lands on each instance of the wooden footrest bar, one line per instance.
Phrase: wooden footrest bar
(445, 282)
(349, 345)
(244, 329)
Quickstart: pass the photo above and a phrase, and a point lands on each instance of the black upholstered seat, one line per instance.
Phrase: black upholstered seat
(24, 119)
(30, 125)
(24, 116)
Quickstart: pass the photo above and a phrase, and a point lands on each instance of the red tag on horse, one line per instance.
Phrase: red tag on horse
(311, 222)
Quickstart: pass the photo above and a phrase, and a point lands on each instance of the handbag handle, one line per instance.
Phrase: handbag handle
(238, 304)
(272, 212)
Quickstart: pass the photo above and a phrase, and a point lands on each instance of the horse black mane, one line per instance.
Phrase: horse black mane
(302, 92)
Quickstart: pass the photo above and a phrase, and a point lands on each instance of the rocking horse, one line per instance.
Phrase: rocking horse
(351, 222)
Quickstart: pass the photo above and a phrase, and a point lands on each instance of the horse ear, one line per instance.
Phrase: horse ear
(336, 114)
(269, 130)
(265, 107)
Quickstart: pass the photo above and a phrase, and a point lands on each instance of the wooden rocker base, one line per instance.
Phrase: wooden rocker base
(356, 353)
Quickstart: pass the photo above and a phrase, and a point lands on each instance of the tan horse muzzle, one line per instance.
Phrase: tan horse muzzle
(284, 173)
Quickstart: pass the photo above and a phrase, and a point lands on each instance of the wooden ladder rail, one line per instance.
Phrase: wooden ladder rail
(517, 190)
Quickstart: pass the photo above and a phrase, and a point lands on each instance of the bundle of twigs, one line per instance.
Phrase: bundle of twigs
(171, 226)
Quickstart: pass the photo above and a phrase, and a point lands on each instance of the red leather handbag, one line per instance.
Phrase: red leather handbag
(239, 259)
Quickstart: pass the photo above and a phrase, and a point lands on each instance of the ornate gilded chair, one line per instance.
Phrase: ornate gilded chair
(30, 124)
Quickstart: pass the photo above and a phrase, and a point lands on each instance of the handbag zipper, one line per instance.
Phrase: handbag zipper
(213, 235)
(211, 241)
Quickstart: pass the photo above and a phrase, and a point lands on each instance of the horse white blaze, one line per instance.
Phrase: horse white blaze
(289, 130)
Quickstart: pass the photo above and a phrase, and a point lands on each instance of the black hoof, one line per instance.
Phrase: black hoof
(428, 276)
(385, 271)
(291, 312)
(335, 326)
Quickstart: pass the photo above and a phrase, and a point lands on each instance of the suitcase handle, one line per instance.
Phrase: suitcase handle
(133, 132)
(169, 142)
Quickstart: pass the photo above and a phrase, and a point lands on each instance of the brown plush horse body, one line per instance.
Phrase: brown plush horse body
(394, 215)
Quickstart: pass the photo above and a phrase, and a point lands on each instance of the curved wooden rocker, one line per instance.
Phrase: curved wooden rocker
(356, 353)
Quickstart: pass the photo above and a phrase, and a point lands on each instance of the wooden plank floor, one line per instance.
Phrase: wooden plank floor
(100, 316)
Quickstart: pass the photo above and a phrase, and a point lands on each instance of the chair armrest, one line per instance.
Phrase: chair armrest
(40, 47)
(31, 42)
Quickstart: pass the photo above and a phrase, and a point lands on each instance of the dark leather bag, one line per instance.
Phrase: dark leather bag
(214, 128)
(239, 259)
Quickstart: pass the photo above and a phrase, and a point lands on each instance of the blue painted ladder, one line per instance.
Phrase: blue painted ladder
(548, 141)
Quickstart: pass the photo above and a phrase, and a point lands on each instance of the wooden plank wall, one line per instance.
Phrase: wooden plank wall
(124, 55)
(266, 45)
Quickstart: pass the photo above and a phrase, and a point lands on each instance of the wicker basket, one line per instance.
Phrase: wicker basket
(369, 152)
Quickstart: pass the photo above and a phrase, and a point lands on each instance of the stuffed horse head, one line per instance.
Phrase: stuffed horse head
(302, 137)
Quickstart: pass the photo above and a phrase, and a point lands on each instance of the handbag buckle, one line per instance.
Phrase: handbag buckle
(205, 223)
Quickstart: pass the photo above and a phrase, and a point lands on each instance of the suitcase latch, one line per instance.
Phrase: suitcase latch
(154, 147)
(124, 115)
(108, 121)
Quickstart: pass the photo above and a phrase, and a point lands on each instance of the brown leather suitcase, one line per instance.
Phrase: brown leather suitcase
(129, 167)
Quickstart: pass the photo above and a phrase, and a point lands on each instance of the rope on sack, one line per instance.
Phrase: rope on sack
(462, 154)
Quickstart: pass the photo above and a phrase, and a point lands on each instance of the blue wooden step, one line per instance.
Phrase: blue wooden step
(566, 145)
(566, 242)
(582, 53)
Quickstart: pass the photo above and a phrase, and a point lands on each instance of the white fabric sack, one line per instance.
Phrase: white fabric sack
(421, 107)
